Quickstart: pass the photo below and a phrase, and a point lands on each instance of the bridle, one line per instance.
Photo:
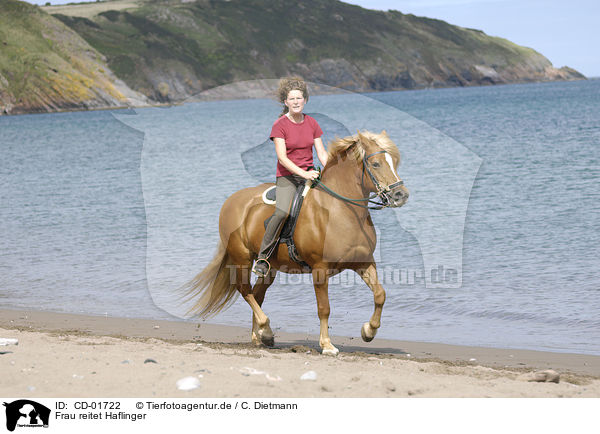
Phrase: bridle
(383, 193)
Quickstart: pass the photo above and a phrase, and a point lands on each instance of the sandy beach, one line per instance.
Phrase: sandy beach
(66, 355)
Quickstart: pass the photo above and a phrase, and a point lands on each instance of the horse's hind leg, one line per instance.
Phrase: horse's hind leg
(321, 284)
(263, 329)
(369, 275)
(258, 290)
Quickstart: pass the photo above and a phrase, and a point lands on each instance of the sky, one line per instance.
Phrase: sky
(565, 31)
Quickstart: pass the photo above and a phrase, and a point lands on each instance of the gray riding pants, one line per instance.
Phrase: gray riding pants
(285, 189)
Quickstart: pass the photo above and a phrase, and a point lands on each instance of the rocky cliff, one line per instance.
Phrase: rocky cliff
(168, 50)
(46, 66)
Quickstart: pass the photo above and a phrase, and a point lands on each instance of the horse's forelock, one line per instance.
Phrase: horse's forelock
(348, 144)
(384, 142)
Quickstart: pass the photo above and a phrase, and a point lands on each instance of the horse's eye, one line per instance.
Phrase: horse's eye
(376, 165)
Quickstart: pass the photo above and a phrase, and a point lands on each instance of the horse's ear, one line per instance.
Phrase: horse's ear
(360, 136)
(384, 133)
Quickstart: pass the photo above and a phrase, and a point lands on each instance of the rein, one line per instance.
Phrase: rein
(381, 191)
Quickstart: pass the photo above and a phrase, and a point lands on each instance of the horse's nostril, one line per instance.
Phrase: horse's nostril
(399, 195)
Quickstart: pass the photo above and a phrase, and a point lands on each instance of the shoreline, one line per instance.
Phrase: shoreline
(69, 355)
(213, 95)
(180, 331)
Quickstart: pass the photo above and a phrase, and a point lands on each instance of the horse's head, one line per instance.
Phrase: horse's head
(380, 158)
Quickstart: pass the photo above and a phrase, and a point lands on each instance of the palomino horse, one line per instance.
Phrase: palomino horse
(334, 232)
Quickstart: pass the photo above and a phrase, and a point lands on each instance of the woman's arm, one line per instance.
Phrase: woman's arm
(321, 152)
(281, 151)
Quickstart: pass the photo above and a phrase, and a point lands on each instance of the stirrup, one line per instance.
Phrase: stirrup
(259, 273)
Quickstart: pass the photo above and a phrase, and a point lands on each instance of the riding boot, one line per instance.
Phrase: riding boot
(286, 188)
(269, 243)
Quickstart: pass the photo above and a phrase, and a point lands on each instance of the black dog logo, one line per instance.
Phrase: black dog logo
(26, 413)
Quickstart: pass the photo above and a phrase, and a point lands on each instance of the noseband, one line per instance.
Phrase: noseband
(383, 193)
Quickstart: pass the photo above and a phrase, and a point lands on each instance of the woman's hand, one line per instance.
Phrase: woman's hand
(310, 175)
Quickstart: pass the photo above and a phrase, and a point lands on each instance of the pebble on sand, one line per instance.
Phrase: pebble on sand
(247, 371)
(8, 341)
(309, 375)
(188, 383)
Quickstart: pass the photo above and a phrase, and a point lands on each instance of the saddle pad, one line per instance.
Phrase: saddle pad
(268, 196)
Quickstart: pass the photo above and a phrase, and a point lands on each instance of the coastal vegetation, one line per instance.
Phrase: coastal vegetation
(46, 66)
(166, 50)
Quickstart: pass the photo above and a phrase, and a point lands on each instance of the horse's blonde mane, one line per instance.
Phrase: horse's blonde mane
(338, 146)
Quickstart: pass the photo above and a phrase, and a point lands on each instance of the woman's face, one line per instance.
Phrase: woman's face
(295, 102)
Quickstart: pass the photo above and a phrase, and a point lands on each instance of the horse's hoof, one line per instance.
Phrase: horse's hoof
(333, 351)
(267, 338)
(367, 332)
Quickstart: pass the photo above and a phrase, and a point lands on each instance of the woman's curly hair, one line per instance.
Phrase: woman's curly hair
(286, 85)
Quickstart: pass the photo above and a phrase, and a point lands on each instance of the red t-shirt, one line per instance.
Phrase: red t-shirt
(299, 140)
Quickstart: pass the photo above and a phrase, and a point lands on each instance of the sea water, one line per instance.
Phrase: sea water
(109, 212)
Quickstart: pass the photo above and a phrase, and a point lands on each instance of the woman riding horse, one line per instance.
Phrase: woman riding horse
(334, 232)
(294, 135)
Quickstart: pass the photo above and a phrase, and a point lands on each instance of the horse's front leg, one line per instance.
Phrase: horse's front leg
(321, 283)
(260, 321)
(258, 290)
(369, 275)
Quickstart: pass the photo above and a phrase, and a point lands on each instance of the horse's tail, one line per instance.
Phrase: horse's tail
(215, 285)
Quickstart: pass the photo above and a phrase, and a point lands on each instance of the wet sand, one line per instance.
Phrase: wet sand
(66, 355)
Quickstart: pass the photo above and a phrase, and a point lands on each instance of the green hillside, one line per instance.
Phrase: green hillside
(111, 53)
(169, 49)
(45, 66)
